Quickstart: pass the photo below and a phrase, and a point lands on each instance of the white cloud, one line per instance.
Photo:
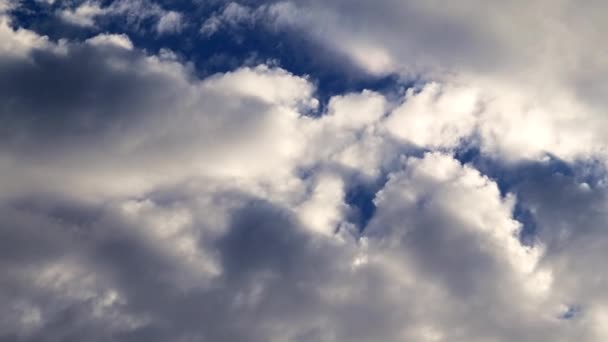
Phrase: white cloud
(140, 202)
(210, 26)
(18, 43)
(324, 209)
(541, 63)
(452, 237)
(170, 22)
(436, 116)
(83, 15)
(119, 40)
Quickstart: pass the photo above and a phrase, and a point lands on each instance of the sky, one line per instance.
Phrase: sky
(303, 170)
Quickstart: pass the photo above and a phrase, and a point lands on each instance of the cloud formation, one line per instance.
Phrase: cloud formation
(140, 201)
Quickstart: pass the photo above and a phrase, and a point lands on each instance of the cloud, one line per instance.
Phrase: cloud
(219, 264)
(171, 22)
(119, 40)
(435, 117)
(134, 13)
(437, 36)
(568, 214)
(530, 68)
(18, 43)
(6, 5)
(232, 15)
(452, 240)
(84, 15)
(139, 201)
(153, 109)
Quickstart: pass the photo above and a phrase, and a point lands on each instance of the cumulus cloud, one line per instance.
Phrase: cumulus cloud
(154, 110)
(171, 22)
(533, 51)
(83, 15)
(140, 202)
(435, 117)
(18, 43)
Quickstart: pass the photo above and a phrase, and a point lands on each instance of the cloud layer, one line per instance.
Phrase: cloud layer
(140, 201)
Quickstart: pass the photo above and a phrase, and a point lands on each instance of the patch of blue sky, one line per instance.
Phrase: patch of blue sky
(229, 48)
(571, 312)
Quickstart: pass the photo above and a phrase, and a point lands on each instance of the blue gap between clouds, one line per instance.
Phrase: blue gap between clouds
(571, 312)
(509, 177)
(360, 197)
(226, 50)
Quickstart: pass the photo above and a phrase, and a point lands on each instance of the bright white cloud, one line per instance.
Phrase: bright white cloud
(538, 64)
(435, 117)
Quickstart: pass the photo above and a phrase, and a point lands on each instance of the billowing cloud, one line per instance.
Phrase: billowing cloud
(83, 15)
(540, 64)
(140, 201)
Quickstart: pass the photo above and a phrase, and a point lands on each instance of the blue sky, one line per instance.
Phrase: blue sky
(303, 170)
